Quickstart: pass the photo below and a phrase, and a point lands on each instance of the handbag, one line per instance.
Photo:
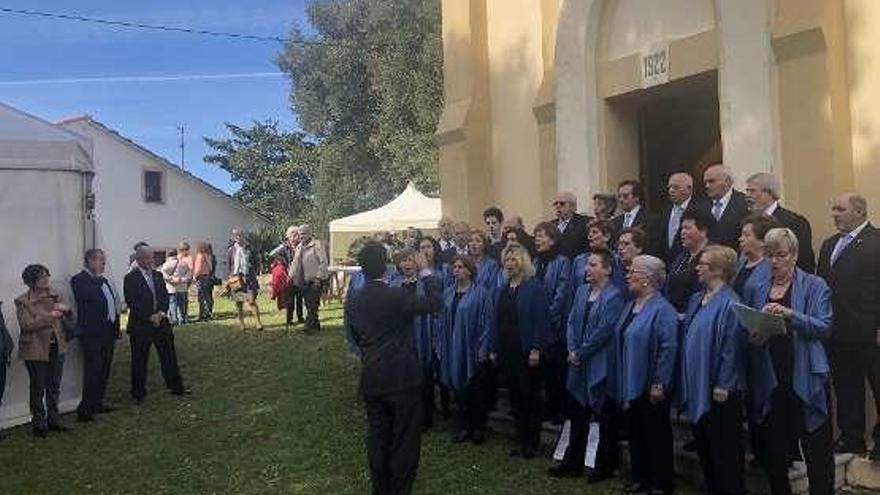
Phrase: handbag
(235, 283)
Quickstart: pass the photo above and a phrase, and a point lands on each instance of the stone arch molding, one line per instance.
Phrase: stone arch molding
(746, 79)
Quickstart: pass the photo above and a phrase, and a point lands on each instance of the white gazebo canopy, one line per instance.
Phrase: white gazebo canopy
(410, 209)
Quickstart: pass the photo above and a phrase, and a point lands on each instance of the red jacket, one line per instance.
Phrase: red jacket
(279, 282)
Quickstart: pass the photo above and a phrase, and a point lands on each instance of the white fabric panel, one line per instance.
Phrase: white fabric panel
(592, 445)
(562, 442)
(410, 209)
(42, 222)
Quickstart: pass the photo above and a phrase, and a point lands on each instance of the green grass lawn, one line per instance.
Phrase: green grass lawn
(271, 412)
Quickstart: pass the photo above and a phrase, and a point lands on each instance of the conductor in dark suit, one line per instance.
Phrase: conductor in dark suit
(762, 193)
(572, 226)
(726, 205)
(381, 322)
(97, 322)
(148, 325)
(629, 197)
(850, 262)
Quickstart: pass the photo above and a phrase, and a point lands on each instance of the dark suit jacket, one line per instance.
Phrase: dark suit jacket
(381, 326)
(727, 229)
(141, 303)
(573, 241)
(91, 307)
(855, 286)
(682, 281)
(669, 254)
(646, 221)
(801, 228)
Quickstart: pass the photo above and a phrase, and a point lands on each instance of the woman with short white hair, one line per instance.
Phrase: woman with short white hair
(789, 373)
(646, 351)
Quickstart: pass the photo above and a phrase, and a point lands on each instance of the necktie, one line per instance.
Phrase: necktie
(842, 243)
(627, 219)
(674, 223)
(717, 209)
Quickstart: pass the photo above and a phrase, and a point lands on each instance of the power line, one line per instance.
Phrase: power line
(154, 27)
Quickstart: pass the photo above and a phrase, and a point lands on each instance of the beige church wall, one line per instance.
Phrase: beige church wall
(862, 19)
(634, 25)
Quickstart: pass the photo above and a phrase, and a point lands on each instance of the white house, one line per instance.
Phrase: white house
(141, 196)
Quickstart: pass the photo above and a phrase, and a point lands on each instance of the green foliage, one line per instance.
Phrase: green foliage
(261, 242)
(369, 91)
(274, 168)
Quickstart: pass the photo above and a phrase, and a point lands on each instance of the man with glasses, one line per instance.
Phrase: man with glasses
(629, 197)
(572, 226)
(680, 189)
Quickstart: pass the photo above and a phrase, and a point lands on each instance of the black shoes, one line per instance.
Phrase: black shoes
(107, 409)
(562, 470)
(597, 475)
(84, 418)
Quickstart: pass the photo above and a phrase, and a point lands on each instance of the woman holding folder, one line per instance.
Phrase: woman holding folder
(789, 373)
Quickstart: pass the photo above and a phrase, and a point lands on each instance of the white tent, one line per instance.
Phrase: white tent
(45, 184)
(410, 209)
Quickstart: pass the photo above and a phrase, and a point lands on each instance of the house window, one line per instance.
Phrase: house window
(152, 186)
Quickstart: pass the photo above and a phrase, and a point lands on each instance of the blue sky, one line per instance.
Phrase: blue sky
(146, 83)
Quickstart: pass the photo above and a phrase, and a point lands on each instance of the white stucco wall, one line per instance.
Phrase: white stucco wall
(637, 24)
(191, 210)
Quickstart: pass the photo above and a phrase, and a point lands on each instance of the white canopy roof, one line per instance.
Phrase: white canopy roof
(410, 209)
(27, 142)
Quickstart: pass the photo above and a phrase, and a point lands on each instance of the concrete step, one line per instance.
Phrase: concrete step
(852, 473)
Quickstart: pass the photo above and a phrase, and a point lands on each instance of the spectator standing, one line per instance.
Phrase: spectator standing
(184, 255)
(572, 226)
(97, 321)
(203, 273)
(850, 262)
(42, 345)
(727, 206)
(293, 296)
(309, 273)
(177, 276)
(241, 264)
(762, 193)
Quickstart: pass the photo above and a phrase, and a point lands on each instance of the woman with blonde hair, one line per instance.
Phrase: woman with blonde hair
(517, 341)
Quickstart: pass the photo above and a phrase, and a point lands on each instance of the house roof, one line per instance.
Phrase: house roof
(113, 133)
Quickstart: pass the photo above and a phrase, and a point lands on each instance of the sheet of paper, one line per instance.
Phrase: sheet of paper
(759, 323)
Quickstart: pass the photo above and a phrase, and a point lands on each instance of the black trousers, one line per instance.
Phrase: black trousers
(394, 439)
(311, 294)
(428, 405)
(524, 386)
(650, 443)
(579, 419)
(445, 394)
(774, 439)
(851, 364)
(141, 340)
(294, 303)
(554, 366)
(97, 360)
(45, 385)
(720, 445)
(205, 293)
(473, 401)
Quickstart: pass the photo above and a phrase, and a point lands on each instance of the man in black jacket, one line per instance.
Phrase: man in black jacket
(850, 262)
(97, 323)
(762, 191)
(726, 205)
(680, 190)
(381, 322)
(571, 225)
(148, 325)
(629, 197)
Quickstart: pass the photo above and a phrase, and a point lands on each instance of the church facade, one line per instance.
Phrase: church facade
(550, 95)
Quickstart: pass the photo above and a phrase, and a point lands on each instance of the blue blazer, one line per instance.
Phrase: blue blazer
(761, 272)
(579, 270)
(713, 355)
(645, 352)
(590, 336)
(556, 284)
(464, 342)
(487, 273)
(810, 323)
(532, 312)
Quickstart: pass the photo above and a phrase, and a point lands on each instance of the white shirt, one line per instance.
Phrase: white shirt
(109, 296)
(630, 216)
(675, 221)
(724, 201)
(562, 224)
(148, 277)
(845, 239)
(444, 244)
(771, 209)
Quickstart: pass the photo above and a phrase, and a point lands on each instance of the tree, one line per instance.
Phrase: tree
(366, 87)
(274, 168)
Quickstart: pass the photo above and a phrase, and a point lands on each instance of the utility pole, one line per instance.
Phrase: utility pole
(181, 130)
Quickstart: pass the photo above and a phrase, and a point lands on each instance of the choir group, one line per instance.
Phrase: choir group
(613, 325)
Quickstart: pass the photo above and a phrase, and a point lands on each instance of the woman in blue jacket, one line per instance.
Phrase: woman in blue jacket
(466, 325)
(645, 354)
(487, 267)
(789, 373)
(594, 314)
(713, 373)
(430, 249)
(752, 266)
(554, 271)
(517, 343)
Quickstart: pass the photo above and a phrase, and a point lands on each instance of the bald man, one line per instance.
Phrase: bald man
(726, 205)
(572, 226)
(850, 262)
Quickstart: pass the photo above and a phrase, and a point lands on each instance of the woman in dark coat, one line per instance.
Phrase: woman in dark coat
(516, 345)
